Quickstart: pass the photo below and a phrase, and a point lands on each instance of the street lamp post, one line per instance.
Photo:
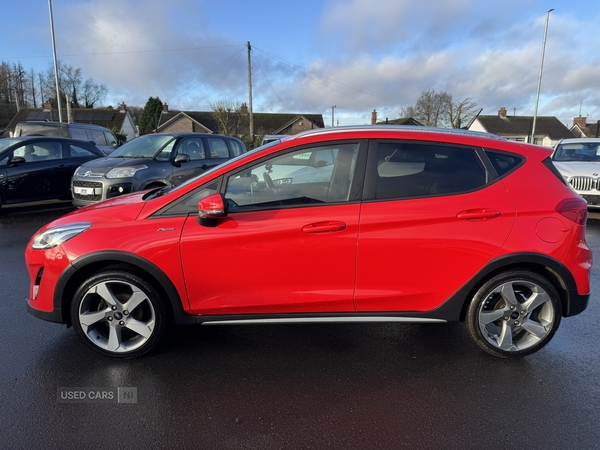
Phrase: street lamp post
(55, 63)
(539, 86)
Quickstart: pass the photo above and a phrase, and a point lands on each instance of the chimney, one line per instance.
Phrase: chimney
(244, 109)
(581, 121)
(122, 107)
(47, 106)
(165, 107)
(502, 112)
(374, 117)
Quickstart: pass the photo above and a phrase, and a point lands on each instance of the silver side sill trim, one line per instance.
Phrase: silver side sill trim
(363, 319)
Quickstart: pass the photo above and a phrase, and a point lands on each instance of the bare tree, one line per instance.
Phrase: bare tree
(227, 116)
(430, 109)
(93, 92)
(460, 110)
(440, 109)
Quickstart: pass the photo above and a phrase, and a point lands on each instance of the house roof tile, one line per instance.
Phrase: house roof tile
(522, 125)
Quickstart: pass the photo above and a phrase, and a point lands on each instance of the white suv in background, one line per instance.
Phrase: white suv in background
(578, 161)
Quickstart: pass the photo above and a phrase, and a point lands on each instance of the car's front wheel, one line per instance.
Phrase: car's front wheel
(118, 314)
(515, 313)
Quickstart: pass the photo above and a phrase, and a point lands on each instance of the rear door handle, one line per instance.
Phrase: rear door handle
(478, 214)
(324, 227)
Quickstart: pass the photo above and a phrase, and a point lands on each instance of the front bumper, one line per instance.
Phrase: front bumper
(87, 192)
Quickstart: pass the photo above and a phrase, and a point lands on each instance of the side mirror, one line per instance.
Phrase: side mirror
(181, 158)
(16, 160)
(211, 208)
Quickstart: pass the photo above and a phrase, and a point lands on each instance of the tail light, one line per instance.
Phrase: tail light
(574, 209)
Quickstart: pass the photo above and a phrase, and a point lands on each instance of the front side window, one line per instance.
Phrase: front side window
(194, 148)
(40, 151)
(309, 176)
(418, 169)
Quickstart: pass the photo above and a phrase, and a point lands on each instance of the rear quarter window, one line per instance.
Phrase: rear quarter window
(504, 163)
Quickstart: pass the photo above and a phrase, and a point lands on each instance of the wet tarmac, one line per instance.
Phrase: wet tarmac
(342, 386)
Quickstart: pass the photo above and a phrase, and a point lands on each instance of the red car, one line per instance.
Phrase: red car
(366, 224)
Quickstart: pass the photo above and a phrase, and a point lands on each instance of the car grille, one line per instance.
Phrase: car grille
(87, 184)
(584, 183)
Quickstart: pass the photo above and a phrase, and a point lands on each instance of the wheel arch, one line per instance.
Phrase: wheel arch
(555, 272)
(81, 269)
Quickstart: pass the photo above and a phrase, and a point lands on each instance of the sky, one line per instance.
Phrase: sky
(352, 56)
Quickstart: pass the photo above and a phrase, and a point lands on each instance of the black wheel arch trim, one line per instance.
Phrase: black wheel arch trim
(573, 303)
(115, 256)
(452, 310)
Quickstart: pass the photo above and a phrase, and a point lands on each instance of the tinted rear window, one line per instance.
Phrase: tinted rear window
(504, 162)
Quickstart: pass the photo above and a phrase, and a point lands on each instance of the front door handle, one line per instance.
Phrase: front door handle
(478, 214)
(324, 227)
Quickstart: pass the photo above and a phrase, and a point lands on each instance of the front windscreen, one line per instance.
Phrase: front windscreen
(147, 146)
(581, 151)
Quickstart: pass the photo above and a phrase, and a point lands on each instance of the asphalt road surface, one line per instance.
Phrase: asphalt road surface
(343, 386)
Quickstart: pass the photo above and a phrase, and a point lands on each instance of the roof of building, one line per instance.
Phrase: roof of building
(401, 121)
(267, 123)
(522, 125)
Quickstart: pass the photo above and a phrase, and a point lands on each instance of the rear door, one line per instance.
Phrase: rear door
(431, 218)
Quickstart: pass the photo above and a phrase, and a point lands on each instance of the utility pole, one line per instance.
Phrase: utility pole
(537, 97)
(250, 117)
(55, 63)
(332, 115)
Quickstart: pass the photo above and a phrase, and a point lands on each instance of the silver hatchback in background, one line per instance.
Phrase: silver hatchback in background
(578, 161)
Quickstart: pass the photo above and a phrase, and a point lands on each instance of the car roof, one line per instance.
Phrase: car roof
(579, 141)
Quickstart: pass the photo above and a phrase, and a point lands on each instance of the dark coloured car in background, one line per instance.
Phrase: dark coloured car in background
(34, 168)
(151, 161)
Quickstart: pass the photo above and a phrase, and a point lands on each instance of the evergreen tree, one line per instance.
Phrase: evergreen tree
(150, 114)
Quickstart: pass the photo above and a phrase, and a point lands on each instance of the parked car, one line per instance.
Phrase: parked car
(410, 225)
(104, 139)
(151, 161)
(578, 160)
(40, 168)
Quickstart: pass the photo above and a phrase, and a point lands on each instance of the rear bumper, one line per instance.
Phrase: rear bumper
(577, 303)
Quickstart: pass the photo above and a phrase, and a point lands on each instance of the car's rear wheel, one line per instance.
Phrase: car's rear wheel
(118, 314)
(514, 314)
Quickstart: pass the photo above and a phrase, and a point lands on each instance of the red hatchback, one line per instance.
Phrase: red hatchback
(367, 224)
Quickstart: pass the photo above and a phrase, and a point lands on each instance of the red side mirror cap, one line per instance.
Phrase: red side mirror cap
(212, 207)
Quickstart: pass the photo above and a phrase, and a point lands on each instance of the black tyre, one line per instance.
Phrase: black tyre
(514, 314)
(118, 314)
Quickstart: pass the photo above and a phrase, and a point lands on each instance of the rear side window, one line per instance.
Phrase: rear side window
(504, 162)
(235, 147)
(78, 133)
(77, 151)
(418, 169)
(218, 148)
(97, 137)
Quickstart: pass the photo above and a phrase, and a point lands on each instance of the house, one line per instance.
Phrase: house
(401, 121)
(581, 129)
(548, 129)
(108, 118)
(264, 123)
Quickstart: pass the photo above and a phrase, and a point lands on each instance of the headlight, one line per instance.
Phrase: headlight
(57, 235)
(124, 172)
